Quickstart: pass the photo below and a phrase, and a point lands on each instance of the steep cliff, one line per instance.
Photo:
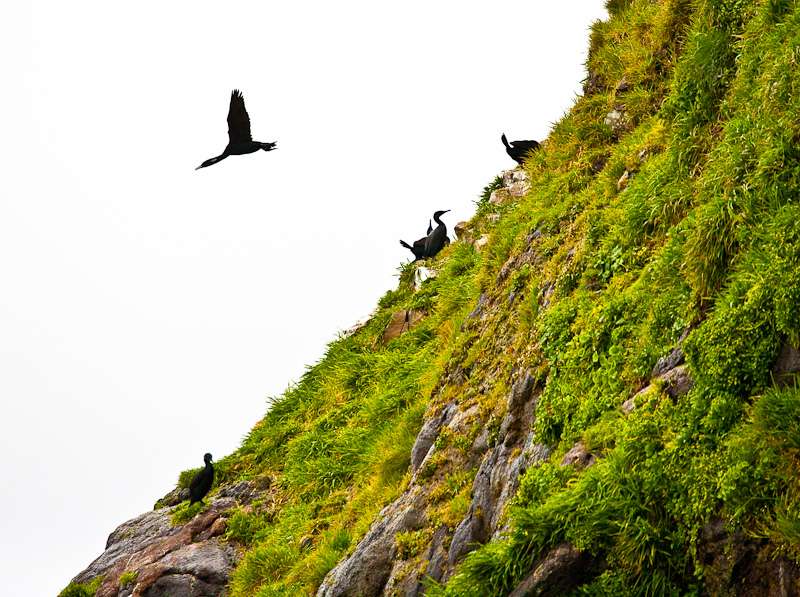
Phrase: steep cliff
(591, 392)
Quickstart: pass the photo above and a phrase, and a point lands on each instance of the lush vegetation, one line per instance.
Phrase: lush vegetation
(680, 214)
(77, 589)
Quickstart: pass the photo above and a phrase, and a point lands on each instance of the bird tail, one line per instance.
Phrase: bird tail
(505, 141)
(406, 245)
(269, 146)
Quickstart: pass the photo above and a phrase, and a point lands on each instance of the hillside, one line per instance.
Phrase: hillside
(591, 392)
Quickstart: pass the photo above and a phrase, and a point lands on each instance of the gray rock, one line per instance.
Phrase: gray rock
(618, 120)
(157, 551)
(182, 585)
(515, 176)
(678, 382)
(500, 197)
(599, 163)
(786, 365)
(130, 537)
(629, 405)
(578, 456)
(497, 479)
(623, 86)
(672, 360)
(477, 313)
(401, 322)
(358, 326)
(428, 434)
(563, 570)
(463, 233)
(593, 83)
(735, 564)
(513, 426)
(367, 571)
(516, 182)
(481, 242)
(421, 274)
(211, 562)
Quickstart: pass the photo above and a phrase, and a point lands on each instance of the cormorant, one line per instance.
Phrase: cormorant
(518, 150)
(202, 481)
(240, 141)
(418, 248)
(436, 240)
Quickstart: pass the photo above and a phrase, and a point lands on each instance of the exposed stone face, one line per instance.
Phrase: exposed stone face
(579, 457)
(593, 83)
(742, 566)
(561, 571)
(401, 322)
(677, 382)
(786, 365)
(421, 274)
(428, 434)
(671, 370)
(463, 233)
(497, 479)
(481, 242)
(517, 182)
(673, 359)
(186, 560)
(500, 197)
(367, 571)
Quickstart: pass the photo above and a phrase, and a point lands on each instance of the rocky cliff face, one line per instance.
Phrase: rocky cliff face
(484, 444)
(592, 392)
(150, 556)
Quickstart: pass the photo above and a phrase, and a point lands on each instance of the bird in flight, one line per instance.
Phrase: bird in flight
(240, 141)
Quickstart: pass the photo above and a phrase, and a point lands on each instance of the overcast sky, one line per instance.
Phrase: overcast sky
(148, 310)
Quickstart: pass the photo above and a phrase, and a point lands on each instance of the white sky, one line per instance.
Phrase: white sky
(147, 310)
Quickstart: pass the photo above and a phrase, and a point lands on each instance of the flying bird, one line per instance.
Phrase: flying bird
(418, 247)
(518, 150)
(201, 482)
(240, 140)
(436, 240)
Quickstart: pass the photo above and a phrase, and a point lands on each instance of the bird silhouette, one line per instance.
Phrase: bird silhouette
(518, 150)
(201, 482)
(437, 239)
(240, 141)
(418, 247)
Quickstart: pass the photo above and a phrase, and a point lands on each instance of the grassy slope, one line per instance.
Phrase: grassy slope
(704, 235)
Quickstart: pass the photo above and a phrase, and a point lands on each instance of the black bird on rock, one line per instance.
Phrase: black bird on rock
(240, 141)
(518, 150)
(201, 482)
(418, 248)
(436, 240)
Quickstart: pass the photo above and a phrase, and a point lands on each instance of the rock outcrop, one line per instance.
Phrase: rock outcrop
(185, 560)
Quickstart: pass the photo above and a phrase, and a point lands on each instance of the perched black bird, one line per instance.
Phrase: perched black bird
(202, 481)
(418, 248)
(437, 239)
(239, 139)
(518, 150)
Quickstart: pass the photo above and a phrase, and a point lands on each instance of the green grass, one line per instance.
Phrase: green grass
(704, 235)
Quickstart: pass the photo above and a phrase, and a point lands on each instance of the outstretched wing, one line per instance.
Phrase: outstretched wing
(238, 120)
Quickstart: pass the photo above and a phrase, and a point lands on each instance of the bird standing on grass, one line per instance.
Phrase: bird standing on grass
(436, 240)
(518, 150)
(201, 482)
(418, 247)
(240, 140)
